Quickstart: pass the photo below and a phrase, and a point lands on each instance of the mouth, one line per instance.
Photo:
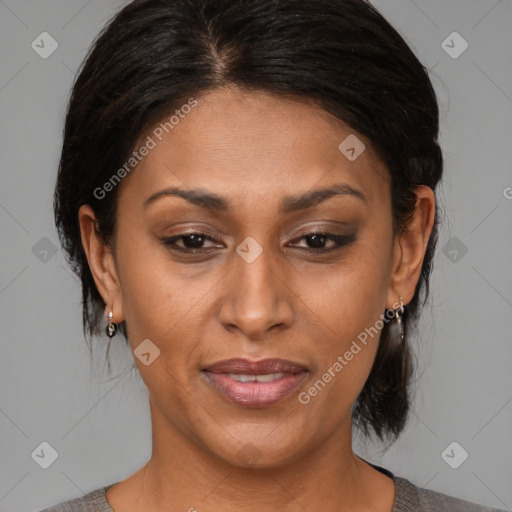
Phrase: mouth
(255, 383)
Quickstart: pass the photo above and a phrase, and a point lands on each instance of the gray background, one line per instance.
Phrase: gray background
(98, 422)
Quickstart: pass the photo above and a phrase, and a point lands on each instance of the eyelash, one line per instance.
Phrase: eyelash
(340, 241)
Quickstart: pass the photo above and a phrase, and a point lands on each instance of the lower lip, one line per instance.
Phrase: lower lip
(254, 394)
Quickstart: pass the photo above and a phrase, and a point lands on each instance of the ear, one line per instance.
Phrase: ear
(409, 249)
(101, 263)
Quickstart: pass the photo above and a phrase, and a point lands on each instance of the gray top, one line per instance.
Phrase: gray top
(408, 498)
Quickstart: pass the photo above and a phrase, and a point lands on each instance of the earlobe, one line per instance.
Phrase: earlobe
(410, 248)
(101, 262)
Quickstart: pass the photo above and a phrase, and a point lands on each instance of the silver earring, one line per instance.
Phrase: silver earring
(398, 319)
(111, 327)
(396, 328)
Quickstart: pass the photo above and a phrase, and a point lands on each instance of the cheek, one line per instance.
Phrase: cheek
(155, 295)
(161, 305)
(165, 302)
(351, 296)
(349, 307)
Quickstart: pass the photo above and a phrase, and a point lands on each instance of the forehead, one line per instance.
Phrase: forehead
(253, 142)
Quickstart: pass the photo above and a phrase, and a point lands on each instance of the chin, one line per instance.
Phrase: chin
(257, 450)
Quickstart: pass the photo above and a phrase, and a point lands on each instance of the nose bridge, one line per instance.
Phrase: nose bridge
(256, 299)
(255, 275)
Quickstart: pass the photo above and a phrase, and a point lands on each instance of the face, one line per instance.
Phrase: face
(246, 236)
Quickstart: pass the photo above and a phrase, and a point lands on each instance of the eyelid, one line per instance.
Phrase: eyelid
(209, 233)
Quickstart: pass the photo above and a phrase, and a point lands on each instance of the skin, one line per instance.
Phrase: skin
(254, 149)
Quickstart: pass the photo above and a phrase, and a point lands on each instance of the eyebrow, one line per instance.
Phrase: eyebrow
(289, 204)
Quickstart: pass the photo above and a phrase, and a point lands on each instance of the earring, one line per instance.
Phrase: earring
(396, 328)
(111, 327)
(398, 319)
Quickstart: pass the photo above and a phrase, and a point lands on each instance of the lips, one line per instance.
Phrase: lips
(255, 383)
(265, 366)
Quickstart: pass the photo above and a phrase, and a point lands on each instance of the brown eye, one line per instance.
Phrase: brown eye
(190, 242)
(318, 241)
(193, 241)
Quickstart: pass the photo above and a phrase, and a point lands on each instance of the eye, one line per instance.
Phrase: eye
(191, 242)
(319, 241)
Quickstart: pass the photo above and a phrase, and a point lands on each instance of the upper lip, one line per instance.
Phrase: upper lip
(262, 367)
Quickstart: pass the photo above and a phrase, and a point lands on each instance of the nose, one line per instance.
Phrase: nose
(257, 298)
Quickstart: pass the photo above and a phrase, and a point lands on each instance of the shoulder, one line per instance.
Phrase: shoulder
(410, 497)
(94, 501)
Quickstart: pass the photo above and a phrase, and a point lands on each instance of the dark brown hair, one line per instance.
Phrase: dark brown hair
(341, 54)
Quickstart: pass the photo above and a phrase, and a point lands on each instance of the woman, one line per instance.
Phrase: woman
(246, 190)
